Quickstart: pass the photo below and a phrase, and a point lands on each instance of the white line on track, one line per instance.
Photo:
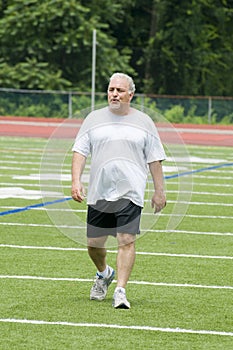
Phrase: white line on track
(170, 183)
(152, 214)
(199, 203)
(199, 176)
(195, 176)
(145, 283)
(205, 184)
(114, 252)
(222, 194)
(154, 231)
(73, 125)
(117, 326)
(199, 193)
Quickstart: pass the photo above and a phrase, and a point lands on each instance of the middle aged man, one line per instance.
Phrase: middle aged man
(123, 143)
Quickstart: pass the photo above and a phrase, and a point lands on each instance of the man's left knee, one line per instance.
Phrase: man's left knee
(126, 239)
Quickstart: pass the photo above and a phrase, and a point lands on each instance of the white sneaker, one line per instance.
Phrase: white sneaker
(120, 301)
(100, 286)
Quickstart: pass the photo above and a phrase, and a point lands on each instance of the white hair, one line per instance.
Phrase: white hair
(127, 77)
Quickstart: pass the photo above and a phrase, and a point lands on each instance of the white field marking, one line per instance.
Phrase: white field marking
(166, 168)
(197, 175)
(185, 202)
(195, 216)
(19, 192)
(150, 190)
(148, 214)
(84, 227)
(200, 184)
(32, 169)
(43, 177)
(25, 150)
(57, 124)
(169, 163)
(117, 326)
(22, 162)
(227, 170)
(199, 203)
(115, 252)
(170, 183)
(51, 209)
(33, 163)
(197, 130)
(145, 283)
(205, 154)
(195, 159)
(15, 168)
(22, 155)
(191, 232)
(199, 193)
(12, 184)
(40, 225)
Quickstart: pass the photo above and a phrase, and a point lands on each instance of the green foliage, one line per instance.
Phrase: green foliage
(189, 50)
(55, 37)
(175, 114)
(34, 105)
(54, 104)
(228, 119)
(170, 47)
(32, 74)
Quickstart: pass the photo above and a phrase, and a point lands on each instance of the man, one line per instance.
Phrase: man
(122, 142)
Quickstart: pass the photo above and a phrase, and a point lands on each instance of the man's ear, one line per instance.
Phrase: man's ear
(131, 95)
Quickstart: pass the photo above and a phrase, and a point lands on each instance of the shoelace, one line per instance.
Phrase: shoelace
(98, 286)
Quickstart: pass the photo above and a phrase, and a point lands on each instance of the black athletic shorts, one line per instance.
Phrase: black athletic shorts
(109, 218)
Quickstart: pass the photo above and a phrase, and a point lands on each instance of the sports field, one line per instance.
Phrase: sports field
(181, 288)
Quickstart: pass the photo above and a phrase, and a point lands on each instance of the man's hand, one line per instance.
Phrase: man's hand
(158, 201)
(78, 192)
(78, 164)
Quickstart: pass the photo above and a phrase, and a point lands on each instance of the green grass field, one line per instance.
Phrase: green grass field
(181, 288)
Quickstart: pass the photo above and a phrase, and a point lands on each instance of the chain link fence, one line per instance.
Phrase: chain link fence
(67, 104)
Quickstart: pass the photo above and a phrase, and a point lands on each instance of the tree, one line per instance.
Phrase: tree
(169, 46)
(191, 50)
(53, 39)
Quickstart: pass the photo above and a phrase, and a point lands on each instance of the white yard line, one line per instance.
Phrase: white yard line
(13, 246)
(149, 214)
(70, 279)
(197, 184)
(205, 184)
(219, 204)
(148, 230)
(117, 326)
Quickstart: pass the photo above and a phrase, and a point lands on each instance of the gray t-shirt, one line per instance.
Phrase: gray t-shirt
(121, 148)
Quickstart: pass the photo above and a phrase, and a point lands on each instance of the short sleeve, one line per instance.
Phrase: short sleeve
(154, 150)
(82, 144)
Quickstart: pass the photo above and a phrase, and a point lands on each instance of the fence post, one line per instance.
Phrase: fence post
(142, 102)
(209, 109)
(70, 105)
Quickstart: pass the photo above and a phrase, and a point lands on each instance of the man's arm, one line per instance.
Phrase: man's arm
(78, 164)
(158, 201)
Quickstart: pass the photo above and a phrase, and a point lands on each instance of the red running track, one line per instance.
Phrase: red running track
(210, 135)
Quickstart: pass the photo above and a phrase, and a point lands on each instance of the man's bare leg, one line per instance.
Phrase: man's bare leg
(125, 263)
(125, 258)
(105, 273)
(97, 252)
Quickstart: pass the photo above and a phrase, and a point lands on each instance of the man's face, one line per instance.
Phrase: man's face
(119, 96)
